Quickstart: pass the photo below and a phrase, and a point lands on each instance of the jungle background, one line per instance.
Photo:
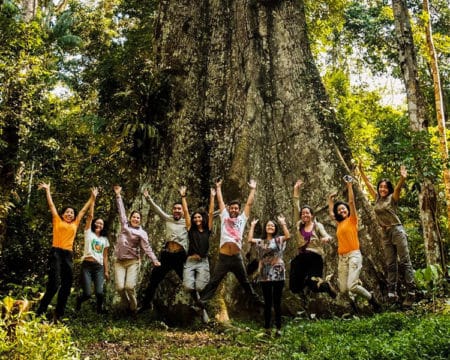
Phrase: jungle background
(85, 101)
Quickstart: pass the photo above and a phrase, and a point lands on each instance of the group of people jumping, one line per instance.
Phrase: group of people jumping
(186, 249)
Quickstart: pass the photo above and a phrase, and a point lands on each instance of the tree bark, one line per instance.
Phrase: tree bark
(248, 102)
(419, 123)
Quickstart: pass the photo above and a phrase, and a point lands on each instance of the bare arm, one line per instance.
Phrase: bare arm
(251, 197)
(220, 201)
(120, 207)
(184, 204)
(48, 195)
(212, 194)
(351, 198)
(282, 221)
(366, 180)
(401, 181)
(155, 207)
(91, 200)
(296, 200)
(90, 215)
(252, 231)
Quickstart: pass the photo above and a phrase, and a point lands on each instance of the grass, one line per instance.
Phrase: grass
(414, 334)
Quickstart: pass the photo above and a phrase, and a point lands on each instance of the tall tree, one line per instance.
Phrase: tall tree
(247, 101)
(440, 114)
(419, 123)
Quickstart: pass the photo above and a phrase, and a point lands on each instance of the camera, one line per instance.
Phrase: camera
(348, 178)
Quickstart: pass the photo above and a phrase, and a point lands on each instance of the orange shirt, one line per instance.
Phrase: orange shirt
(347, 235)
(64, 233)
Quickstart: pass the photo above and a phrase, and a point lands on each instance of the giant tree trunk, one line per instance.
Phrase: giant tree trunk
(419, 123)
(248, 102)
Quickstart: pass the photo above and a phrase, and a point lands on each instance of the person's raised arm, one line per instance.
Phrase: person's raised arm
(155, 207)
(212, 194)
(331, 198)
(220, 201)
(252, 231)
(90, 214)
(187, 218)
(351, 197)
(251, 197)
(94, 192)
(296, 200)
(401, 181)
(366, 180)
(120, 208)
(48, 195)
(282, 222)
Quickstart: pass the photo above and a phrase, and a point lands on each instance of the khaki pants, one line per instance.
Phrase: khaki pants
(349, 268)
(126, 275)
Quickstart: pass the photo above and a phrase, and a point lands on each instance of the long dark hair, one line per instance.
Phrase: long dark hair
(337, 216)
(311, 210)
(388, 184)
(204, 220)
(264, 233)
(104, 231)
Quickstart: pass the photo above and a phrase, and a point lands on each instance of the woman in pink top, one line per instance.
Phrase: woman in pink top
(131, 239)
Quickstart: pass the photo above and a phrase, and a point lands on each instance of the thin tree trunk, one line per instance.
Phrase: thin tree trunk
(419, 123)
(248, 102)
(29, 8)
(440, 116)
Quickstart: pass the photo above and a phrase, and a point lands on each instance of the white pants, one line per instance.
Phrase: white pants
(126, 275)
(349, 268)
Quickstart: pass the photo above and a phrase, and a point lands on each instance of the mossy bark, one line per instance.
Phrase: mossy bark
(247, 102)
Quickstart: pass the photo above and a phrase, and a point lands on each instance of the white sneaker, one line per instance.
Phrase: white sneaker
(205, 317)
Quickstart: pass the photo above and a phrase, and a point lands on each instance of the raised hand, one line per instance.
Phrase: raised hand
(182, 190)
(252, 184)
(403, 171)
(117, 189)
(43, 185)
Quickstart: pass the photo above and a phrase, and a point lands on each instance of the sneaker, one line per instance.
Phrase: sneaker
(205, 317)
(278, 333)
(409, 299)
(392, 298)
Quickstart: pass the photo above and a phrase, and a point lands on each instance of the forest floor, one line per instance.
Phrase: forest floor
(392, 334)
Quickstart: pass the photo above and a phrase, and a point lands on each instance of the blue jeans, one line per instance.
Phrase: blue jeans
(91, 272)
(196, 274)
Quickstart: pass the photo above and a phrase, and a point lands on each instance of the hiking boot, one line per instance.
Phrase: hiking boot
(408, 301)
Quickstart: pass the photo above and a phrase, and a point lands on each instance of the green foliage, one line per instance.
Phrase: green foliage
(24, 337)
(430, 280)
